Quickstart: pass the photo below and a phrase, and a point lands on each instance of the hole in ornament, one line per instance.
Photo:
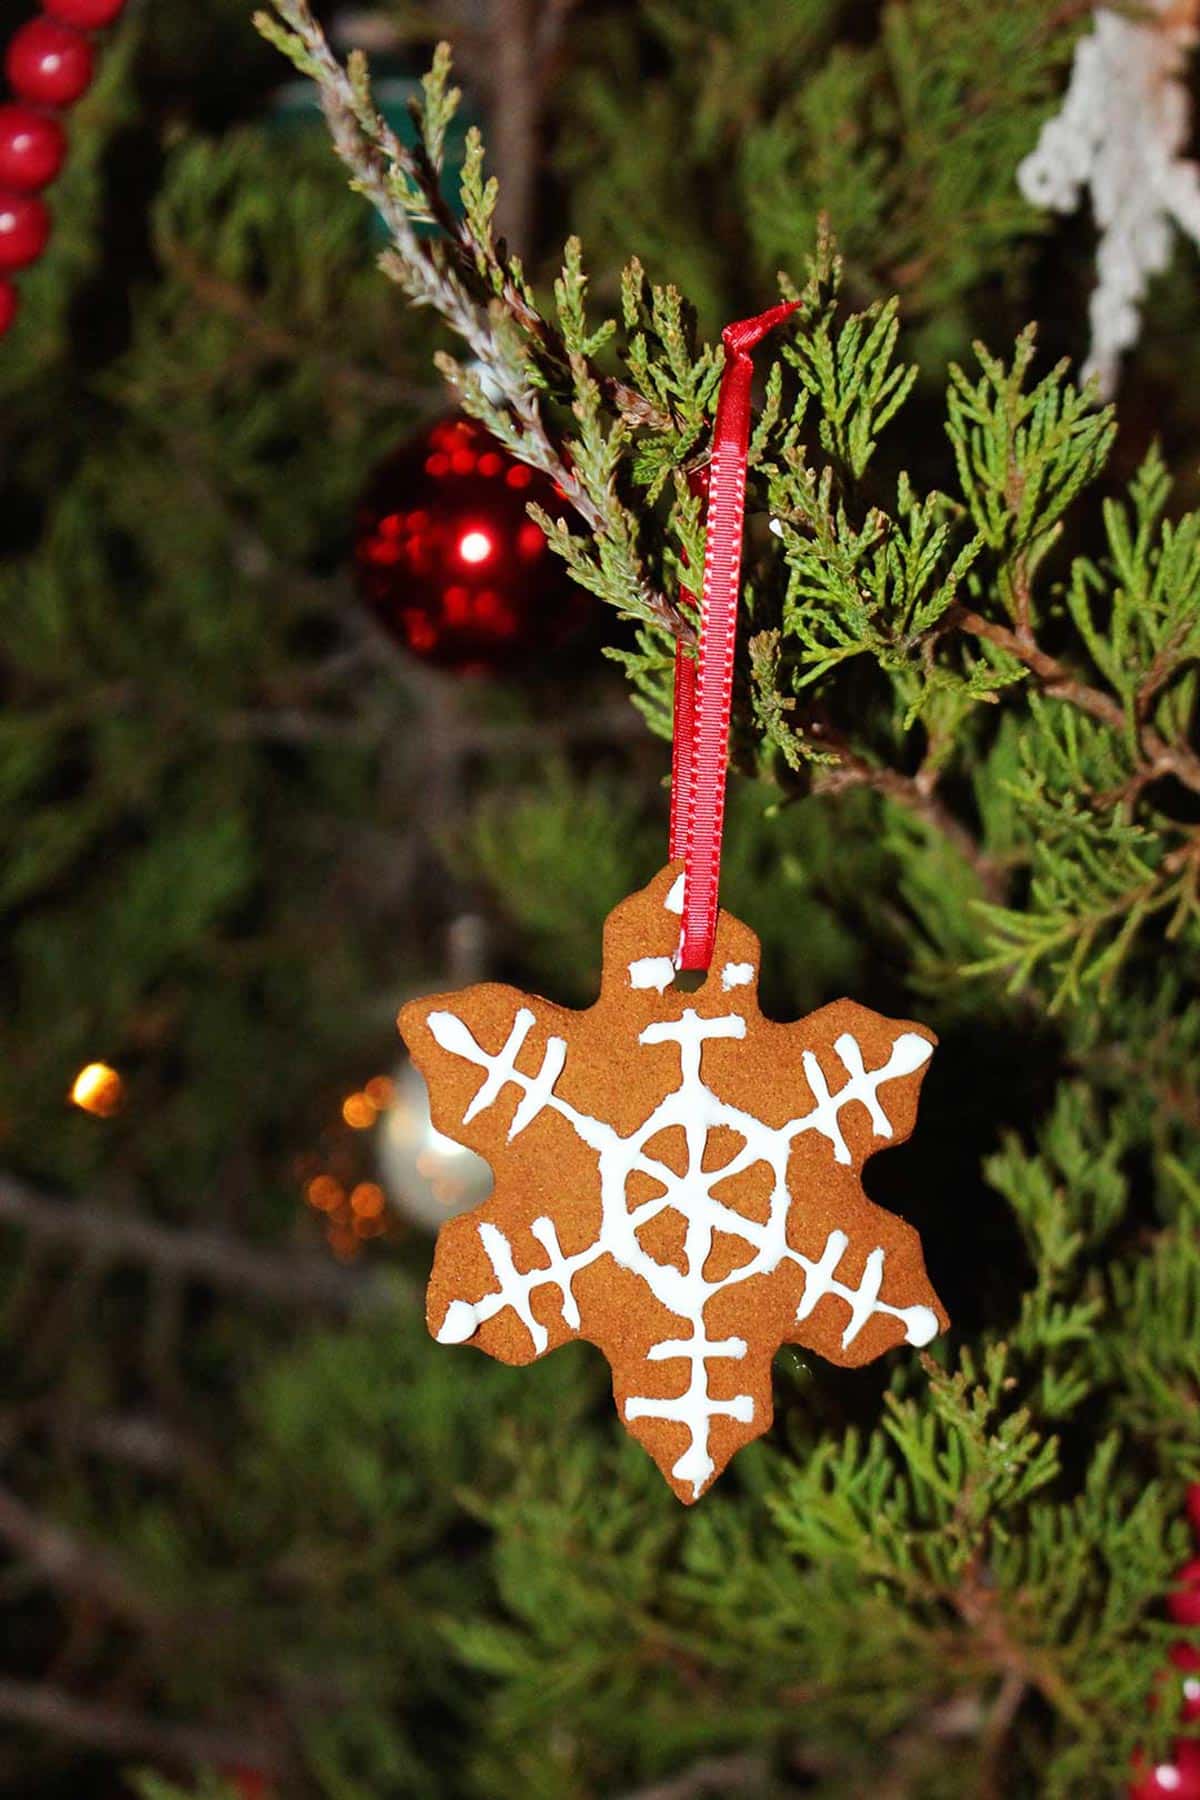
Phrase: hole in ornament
(688, 980)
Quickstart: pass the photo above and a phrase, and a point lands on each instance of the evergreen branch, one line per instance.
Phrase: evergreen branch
(982, 1610)
(478, 290)
(223, 296)
(1058, 682)
(298, 1280)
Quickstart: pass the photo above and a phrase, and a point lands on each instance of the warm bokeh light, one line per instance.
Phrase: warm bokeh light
(359, 1111)
(380, 1091)
(367, 1201)
(325, 1193)
(343, 1243)
(475, 546)
(98, 1089)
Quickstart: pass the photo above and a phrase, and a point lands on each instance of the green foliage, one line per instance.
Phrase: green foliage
(238, 827)
(153, 1787)
(905, 138)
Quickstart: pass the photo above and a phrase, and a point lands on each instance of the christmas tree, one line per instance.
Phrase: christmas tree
(261, 1534)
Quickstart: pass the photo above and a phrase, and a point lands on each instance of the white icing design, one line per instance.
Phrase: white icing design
(656, 972)
(737, 975)
(687, 1291)
(674, 900)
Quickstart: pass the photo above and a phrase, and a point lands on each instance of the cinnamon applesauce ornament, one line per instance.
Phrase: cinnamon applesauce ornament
(677, 1177)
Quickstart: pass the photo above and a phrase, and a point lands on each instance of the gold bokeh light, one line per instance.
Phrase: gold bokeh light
(367, 1200)
(99, 1090)
(359, 1111)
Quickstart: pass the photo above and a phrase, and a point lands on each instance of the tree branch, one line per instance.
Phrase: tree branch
(516, 109)
(293, 1279)
(68, 1562)
(41, 1708)
(1057, 681)
(745, 1772)
(918, 797)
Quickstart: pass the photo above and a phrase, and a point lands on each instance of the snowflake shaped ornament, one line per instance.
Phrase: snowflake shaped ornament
(1123, 126)
(677, 1181)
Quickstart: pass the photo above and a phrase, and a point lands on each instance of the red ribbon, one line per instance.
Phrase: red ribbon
(704, 686)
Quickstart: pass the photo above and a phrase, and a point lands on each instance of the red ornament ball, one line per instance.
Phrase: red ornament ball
(450, 562)
(85, 15)
(48, 64)
(32, 148)
(1183, 1602)
(24, 230)
(8, 305)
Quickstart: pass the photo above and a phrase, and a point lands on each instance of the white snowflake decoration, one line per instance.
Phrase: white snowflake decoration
(1125, 119)
(685, 1292)
(678, 1180)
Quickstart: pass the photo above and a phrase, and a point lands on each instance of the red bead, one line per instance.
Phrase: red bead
(1178, 1778)
(32, 147)
(24, 230)
(1186, 1658)
(48, 64)
(8, 305)
(85, 15)
(1183, 1602)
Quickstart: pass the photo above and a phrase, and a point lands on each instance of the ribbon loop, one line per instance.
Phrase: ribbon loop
(704, 688)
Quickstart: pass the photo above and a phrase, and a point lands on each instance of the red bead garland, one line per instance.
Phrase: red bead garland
(24, 230)
(1179, 1775)
(85, 15)
(1183, 1602)
(50, 63)
(32, 148)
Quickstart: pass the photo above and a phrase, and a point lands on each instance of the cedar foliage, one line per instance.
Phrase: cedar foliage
(968, 788)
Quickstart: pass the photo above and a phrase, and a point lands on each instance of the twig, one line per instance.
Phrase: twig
(551, 28)
(920, 798)
(981, 1609)
(68, 1562)
(1013, 1690)
(742, 1774)
(516, 108)
(141, 1441)
(289, 1279)
(952, 1720)
(42, 1708)
(1056, 680)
